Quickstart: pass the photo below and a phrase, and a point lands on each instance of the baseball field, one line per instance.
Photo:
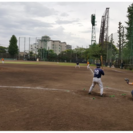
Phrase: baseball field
(43, 96)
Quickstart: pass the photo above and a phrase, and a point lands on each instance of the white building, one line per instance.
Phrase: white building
(45, 42)
(68, 46)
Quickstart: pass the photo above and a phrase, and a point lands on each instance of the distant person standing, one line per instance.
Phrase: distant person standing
(37, 59)
(77, 65)
(97, 79)
(88, 64)
(2, 60)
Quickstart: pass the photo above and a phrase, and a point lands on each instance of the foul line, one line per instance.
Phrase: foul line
(117, 71)
(91, 70)
(20, 87)
(115, 89)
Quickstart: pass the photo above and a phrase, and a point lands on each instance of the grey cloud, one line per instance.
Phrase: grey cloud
(71, 3)
(25, 27)
(64, 14)
(86, 31)
(89, 30)
(80, 24)
(27, 9)
(3, 12)
(8, 22)
(37, 9)
(66, 21)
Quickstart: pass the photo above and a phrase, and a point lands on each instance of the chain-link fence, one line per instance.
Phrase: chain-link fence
(31, 48)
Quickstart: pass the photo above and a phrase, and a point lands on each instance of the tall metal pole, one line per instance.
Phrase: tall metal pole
(122, 45)
(19, 48)
(29, 47)
(131, 53)
(111, 48)
(24, 48)
(41, 50)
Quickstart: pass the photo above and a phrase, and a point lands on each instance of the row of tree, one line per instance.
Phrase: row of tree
(125, 40)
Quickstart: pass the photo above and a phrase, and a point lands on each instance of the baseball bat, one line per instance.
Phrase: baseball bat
(102, 61)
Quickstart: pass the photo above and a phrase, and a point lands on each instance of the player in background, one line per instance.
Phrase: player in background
(97, 79)
(77, 65)
(88, 64)
(127, 80)
(2, 60)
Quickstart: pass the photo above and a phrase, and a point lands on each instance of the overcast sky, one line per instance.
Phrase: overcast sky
(68, 22)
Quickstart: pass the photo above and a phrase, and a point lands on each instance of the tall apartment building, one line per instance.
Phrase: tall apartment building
(45, 42)
(68, 47)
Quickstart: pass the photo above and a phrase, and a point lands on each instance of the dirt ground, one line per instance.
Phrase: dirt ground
(55, 98)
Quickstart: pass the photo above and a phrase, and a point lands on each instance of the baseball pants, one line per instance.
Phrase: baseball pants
(77, 66)
(99, 82)
(88, 66)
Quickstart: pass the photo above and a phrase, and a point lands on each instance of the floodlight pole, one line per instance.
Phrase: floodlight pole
(29, 47)
(19, 48)
(24, 48)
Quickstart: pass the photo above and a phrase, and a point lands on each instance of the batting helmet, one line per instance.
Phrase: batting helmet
(98, 65)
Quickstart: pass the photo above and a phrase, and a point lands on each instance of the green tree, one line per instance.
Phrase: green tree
(13, 48)
(31, 54)
(129, 34)
(95, 51)
(2, 49)
(51, 56)
(42, 53)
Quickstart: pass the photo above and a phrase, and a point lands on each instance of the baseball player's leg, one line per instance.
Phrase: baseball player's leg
(94, 82)
(92, 86)
(101, 86)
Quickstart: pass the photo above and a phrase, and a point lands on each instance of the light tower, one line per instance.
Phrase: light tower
(103, 37)
(93, 34)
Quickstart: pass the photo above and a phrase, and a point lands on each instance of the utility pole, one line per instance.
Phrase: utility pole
(111, 50)
(29, 47)
(24, 48)
(131, 42)
(19, 48)
(120, 42)
(123, 41)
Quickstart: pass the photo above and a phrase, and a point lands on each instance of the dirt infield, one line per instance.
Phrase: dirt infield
(55, 98)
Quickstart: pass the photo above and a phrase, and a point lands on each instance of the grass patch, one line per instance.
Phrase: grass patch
(21, 62)
(47, 63)
(43, 62)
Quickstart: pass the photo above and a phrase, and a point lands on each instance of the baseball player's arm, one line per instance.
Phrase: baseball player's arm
(102, 72)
